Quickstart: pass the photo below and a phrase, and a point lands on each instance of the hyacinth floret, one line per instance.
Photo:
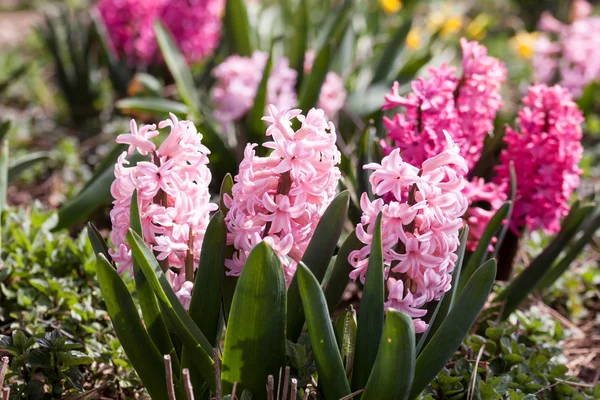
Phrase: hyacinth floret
(173, 199)
(419, 227)
(281, 197)
(546, 153)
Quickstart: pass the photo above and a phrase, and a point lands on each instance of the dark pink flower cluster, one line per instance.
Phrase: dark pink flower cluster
(173, 198)
(546, 153)
(280, 198)
(463, 106)
(195, 25)
(419, 232)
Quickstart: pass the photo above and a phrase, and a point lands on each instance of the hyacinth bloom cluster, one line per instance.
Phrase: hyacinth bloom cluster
(574, 57)
(173, 199)
(238, 78)
(280, 198)
(195, 25)
(485, 198)
(465, 107)
(546, 153)
(419, 227)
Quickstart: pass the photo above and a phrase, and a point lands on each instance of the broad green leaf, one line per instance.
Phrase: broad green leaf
(90, 198)
(363, 103)
(370, 314)
(154, 105)
(481, 252)
(178, 68)
(311, 88)
(332, 376)
(108, 162)
(511, 198)
(455, 327)
(176, 318)
(98, 243)
(396, 353)
(299, 43)
(394, 47)
(255, 126)
(316, 257)
(226, 187)
(363, 158)
(447, 301)
(528, 280)
(153, 319)
(140, 349)
(238, 34)
(255, 338)
(205, 304)
(20, 165)
(4, 129)
(345, 334)
(341, 270)
(574, 251)
(4, 156)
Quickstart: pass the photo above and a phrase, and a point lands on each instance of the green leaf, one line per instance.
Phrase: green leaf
(447, 301)
(178, 68)
(255, 126)
(345, 334)
(205, 304)
(4, 155)
(299, 43)
(455, 327)
(311, 88)
(332, 376)
(316, 257)
(226, 187)
(153, 319)
(140, 349)
(238, 34)
(341, 270)
(363, 103)
(176, 318)
(575, 250)
(396, 353)
(90, 198)
(480, 254)
(154, 105)
(20, 165)
(528, 280)
(255, 338)
(370, 316)
(4, 129)
(511, 198)
(394, 47)
(98, 243)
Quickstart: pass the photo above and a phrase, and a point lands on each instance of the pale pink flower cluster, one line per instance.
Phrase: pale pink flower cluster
(485, 198)
(195, 25)
(574, 58)
(463, 106)
(280, 198)
(546, 153)
(419, 230)
(172, 194)
(238, 78)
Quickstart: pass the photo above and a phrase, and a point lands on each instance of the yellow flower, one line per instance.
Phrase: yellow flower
(390, 6)
(523, 43)
(451, 26)
(477, 28)
(413, 39)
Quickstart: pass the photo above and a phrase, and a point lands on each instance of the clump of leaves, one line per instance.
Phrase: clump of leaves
(44, 367)
(520, 359)
(47, 284)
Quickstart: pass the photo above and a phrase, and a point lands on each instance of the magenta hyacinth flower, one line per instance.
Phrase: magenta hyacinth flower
(546, 153)
(195, 25)
(419, 227)
(172, 194)
(281, 197)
